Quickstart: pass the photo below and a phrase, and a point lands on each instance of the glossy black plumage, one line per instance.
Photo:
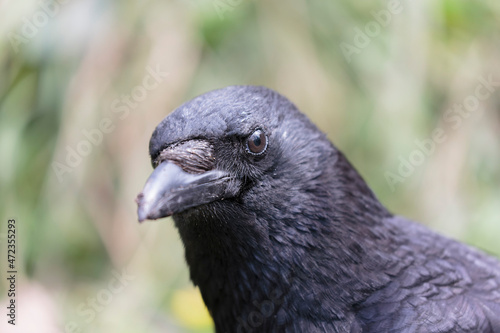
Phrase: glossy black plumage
(297, 242)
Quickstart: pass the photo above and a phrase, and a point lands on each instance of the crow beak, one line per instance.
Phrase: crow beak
(170, 190)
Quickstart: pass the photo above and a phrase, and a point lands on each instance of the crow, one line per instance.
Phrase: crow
(282, 234)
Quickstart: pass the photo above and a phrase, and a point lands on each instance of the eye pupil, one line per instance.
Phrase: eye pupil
(257, 142)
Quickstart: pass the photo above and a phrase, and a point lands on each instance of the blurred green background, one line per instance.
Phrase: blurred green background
(83, 83)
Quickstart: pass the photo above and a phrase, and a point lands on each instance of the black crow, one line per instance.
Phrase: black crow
(281, 233)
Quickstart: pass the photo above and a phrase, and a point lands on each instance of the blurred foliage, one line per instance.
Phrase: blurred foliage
(67, 66)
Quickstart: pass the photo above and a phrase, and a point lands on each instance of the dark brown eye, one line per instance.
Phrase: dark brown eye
(257, 142)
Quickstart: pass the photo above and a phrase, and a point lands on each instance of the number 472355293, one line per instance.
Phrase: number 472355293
(11, 247)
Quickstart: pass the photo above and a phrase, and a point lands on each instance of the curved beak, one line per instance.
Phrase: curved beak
(170, 190)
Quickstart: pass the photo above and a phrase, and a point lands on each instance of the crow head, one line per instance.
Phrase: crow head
(259, 196)
(227, 144)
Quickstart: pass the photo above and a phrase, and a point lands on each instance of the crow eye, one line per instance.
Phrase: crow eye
(257, 142)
